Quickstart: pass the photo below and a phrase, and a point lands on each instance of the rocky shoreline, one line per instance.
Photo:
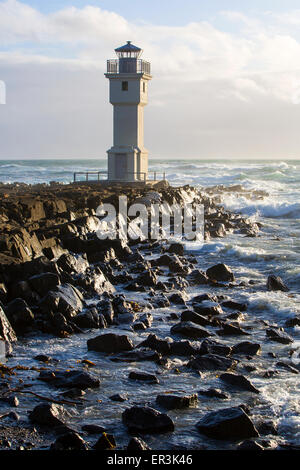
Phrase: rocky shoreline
(58, 278)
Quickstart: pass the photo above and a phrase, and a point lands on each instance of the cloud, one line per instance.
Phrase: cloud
(207, 82)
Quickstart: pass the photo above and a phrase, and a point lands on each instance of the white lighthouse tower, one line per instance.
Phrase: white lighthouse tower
(128, 79)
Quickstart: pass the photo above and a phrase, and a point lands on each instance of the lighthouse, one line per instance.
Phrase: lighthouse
(128, 76)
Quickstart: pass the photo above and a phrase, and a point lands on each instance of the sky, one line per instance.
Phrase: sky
(226, 77)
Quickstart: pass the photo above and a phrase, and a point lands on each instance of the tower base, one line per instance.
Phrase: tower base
(127, 164)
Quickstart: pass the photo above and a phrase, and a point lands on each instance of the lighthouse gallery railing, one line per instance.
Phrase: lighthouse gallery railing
(128, 66)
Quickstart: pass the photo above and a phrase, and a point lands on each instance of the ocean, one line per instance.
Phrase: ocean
(275, 251)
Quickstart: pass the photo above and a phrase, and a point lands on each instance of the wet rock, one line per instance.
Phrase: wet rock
(92, 429)
(292, 322)
(105, 442)
(110, 343)
(209, 346)
(148, 278)
(68, 263)
(157, 344)
(177, 299)
(266, 428)
(229, 329)
(176, 248)
(279, 336)
(238, 381)
(43, 358)
(203, 297)
(105, 308)
(220, 272)
(275, 283)
(211, 362)
(199, 277)
(146, 420)
(19, 315)
(73, 393)
(51, 415)
(214, 393)
(171, 402)
(89, 319)
(208, 308)
(189, 315)
(234, 305)
(143, 377)
(136, 444)
(249, 445)
(226, 424)
(43, 283)
(66, 299)
(119, 397)
(185, 348)
(137, 355)
(69, 441)
(246, 348)
(190, 330)
(7, 333)
(70, 379)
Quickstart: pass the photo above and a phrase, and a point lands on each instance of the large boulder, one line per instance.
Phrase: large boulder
(162, 346)
(246, 348)
(189, 315)
(209, 346)
(146, 420)
(226, 424)
(65, 299)
(220, 272)
(43, 283)
(19, 315)
(110, 343)
(279, 336)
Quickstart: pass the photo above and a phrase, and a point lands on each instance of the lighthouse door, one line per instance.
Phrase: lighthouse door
(121, 166)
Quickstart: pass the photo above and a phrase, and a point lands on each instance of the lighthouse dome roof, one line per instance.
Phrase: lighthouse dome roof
(128, 47)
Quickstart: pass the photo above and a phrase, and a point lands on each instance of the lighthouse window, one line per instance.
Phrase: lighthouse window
(124, 86)
(144, 87)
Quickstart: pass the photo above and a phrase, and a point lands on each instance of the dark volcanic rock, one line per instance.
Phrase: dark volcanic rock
(220, 272)
(136, 444)
(93, 429)
(185, 348)
(238, 381)
(246, 348)
(157, 344)
(171, 402)
(190, 330)
(146, 420)
(65, 299)
(137, 355)
(119, 397)
(49, 415)
(7, 333)
(19, 315)
(176, 248)
(234, 305)
(110, 343)
(43, 283)
(276, 283)
(209, 346)
(105, 442)
(279, 336)
(249, 445)
(229, 329)
(144, 377)
(226, 424)
(208, 308)
(189, 315)
(69, 441)
(211, 362)
(70, 379)
(214, 393)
